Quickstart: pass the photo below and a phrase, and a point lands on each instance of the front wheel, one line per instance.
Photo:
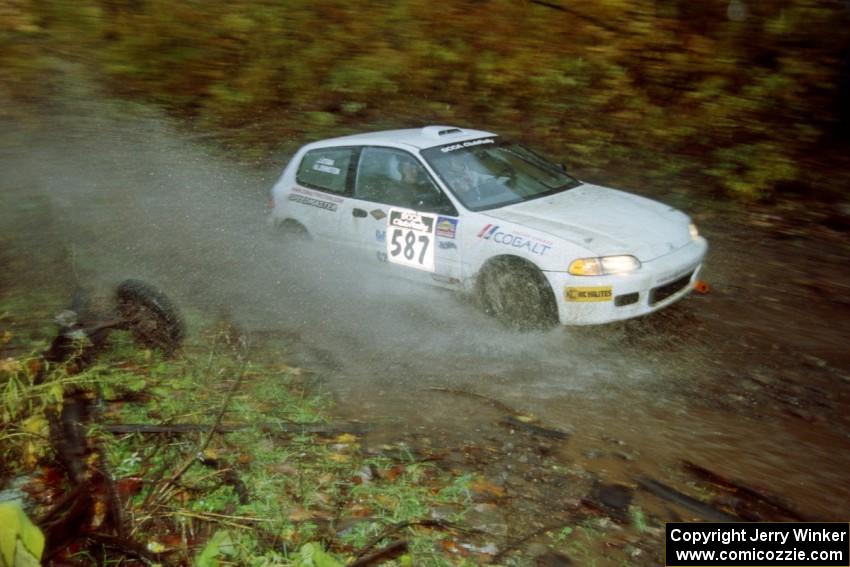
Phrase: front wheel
(518, 295)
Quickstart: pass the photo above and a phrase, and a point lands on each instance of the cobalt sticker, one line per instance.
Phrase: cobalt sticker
(533, 245)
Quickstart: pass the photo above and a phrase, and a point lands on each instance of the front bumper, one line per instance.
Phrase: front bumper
(584, 300)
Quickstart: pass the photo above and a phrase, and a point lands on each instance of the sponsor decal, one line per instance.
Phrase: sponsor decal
(520, 241)
(597, 293)
(412, 220)
(326, 165)
(309, 201)
(317, 194)
(382, 256)
(378, 214)
(468, 144)
(446, 227)
(446, 245)
(381, 235)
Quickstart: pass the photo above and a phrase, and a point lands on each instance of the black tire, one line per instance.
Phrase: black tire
(150, 316)
(517, 294)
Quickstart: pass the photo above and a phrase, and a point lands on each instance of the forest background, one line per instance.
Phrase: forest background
(748, 100)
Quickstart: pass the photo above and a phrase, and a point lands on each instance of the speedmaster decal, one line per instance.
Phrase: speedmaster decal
(309, 201)
(318, 194)
(410, 239)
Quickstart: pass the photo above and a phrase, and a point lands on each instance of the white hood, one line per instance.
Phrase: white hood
(604, 221)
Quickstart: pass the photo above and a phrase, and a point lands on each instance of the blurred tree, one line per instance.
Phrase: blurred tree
(752, 90)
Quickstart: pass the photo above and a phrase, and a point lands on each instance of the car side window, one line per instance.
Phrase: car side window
(396, 178)
(325, 169)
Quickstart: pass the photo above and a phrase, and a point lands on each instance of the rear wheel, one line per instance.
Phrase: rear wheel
(517, 294)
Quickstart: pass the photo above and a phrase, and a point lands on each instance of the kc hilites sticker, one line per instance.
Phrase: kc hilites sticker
(598, 293)
(410, 239)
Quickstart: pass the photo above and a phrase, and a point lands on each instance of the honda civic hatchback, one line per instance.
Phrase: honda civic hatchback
(471, 211)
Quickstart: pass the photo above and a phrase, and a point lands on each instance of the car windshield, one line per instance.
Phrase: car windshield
(486, 174)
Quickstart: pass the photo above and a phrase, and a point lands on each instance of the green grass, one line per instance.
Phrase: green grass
(303, 489)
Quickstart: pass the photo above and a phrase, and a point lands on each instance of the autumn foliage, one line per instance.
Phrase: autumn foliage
(747, 96)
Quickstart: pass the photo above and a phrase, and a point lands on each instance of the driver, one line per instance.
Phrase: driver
(412, 175)
(462, 179)
(416, 185)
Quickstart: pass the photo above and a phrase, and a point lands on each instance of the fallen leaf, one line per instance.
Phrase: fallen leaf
(10, 365)
(484, 487)
(211, 454)
(393, 473)
(345, 438)
(525, 418)
(128, 487)
(155, 547)
(34, 366)
(360, 511)
(282, 468)
(99, 515)
(299, 514)
(172, 541)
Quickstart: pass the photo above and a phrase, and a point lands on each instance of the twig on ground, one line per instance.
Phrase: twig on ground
(293, 428)
(493, 402)
(395, 528)
(520, 541)
(388, 553)
(691, 504)
(741, 491)
(210, 432)
(126, 546)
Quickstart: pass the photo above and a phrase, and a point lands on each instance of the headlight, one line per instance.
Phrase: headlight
(692, 228)
(604, 266)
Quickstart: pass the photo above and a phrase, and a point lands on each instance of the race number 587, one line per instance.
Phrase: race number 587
(410, 239)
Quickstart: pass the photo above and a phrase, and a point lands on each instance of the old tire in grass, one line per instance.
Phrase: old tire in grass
(150, 315)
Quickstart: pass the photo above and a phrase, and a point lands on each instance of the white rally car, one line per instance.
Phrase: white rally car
(465, 209)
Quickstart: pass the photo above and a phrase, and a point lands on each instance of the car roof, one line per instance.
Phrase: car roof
(419, 138)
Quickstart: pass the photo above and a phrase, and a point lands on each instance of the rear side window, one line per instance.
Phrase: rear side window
(325, 169)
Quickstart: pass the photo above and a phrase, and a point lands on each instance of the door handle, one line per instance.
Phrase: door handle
(360, 213)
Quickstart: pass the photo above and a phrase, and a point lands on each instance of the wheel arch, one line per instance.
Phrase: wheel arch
(289, 225)
(493, 262)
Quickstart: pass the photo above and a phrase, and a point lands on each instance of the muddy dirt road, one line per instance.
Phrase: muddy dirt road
(751, 380)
